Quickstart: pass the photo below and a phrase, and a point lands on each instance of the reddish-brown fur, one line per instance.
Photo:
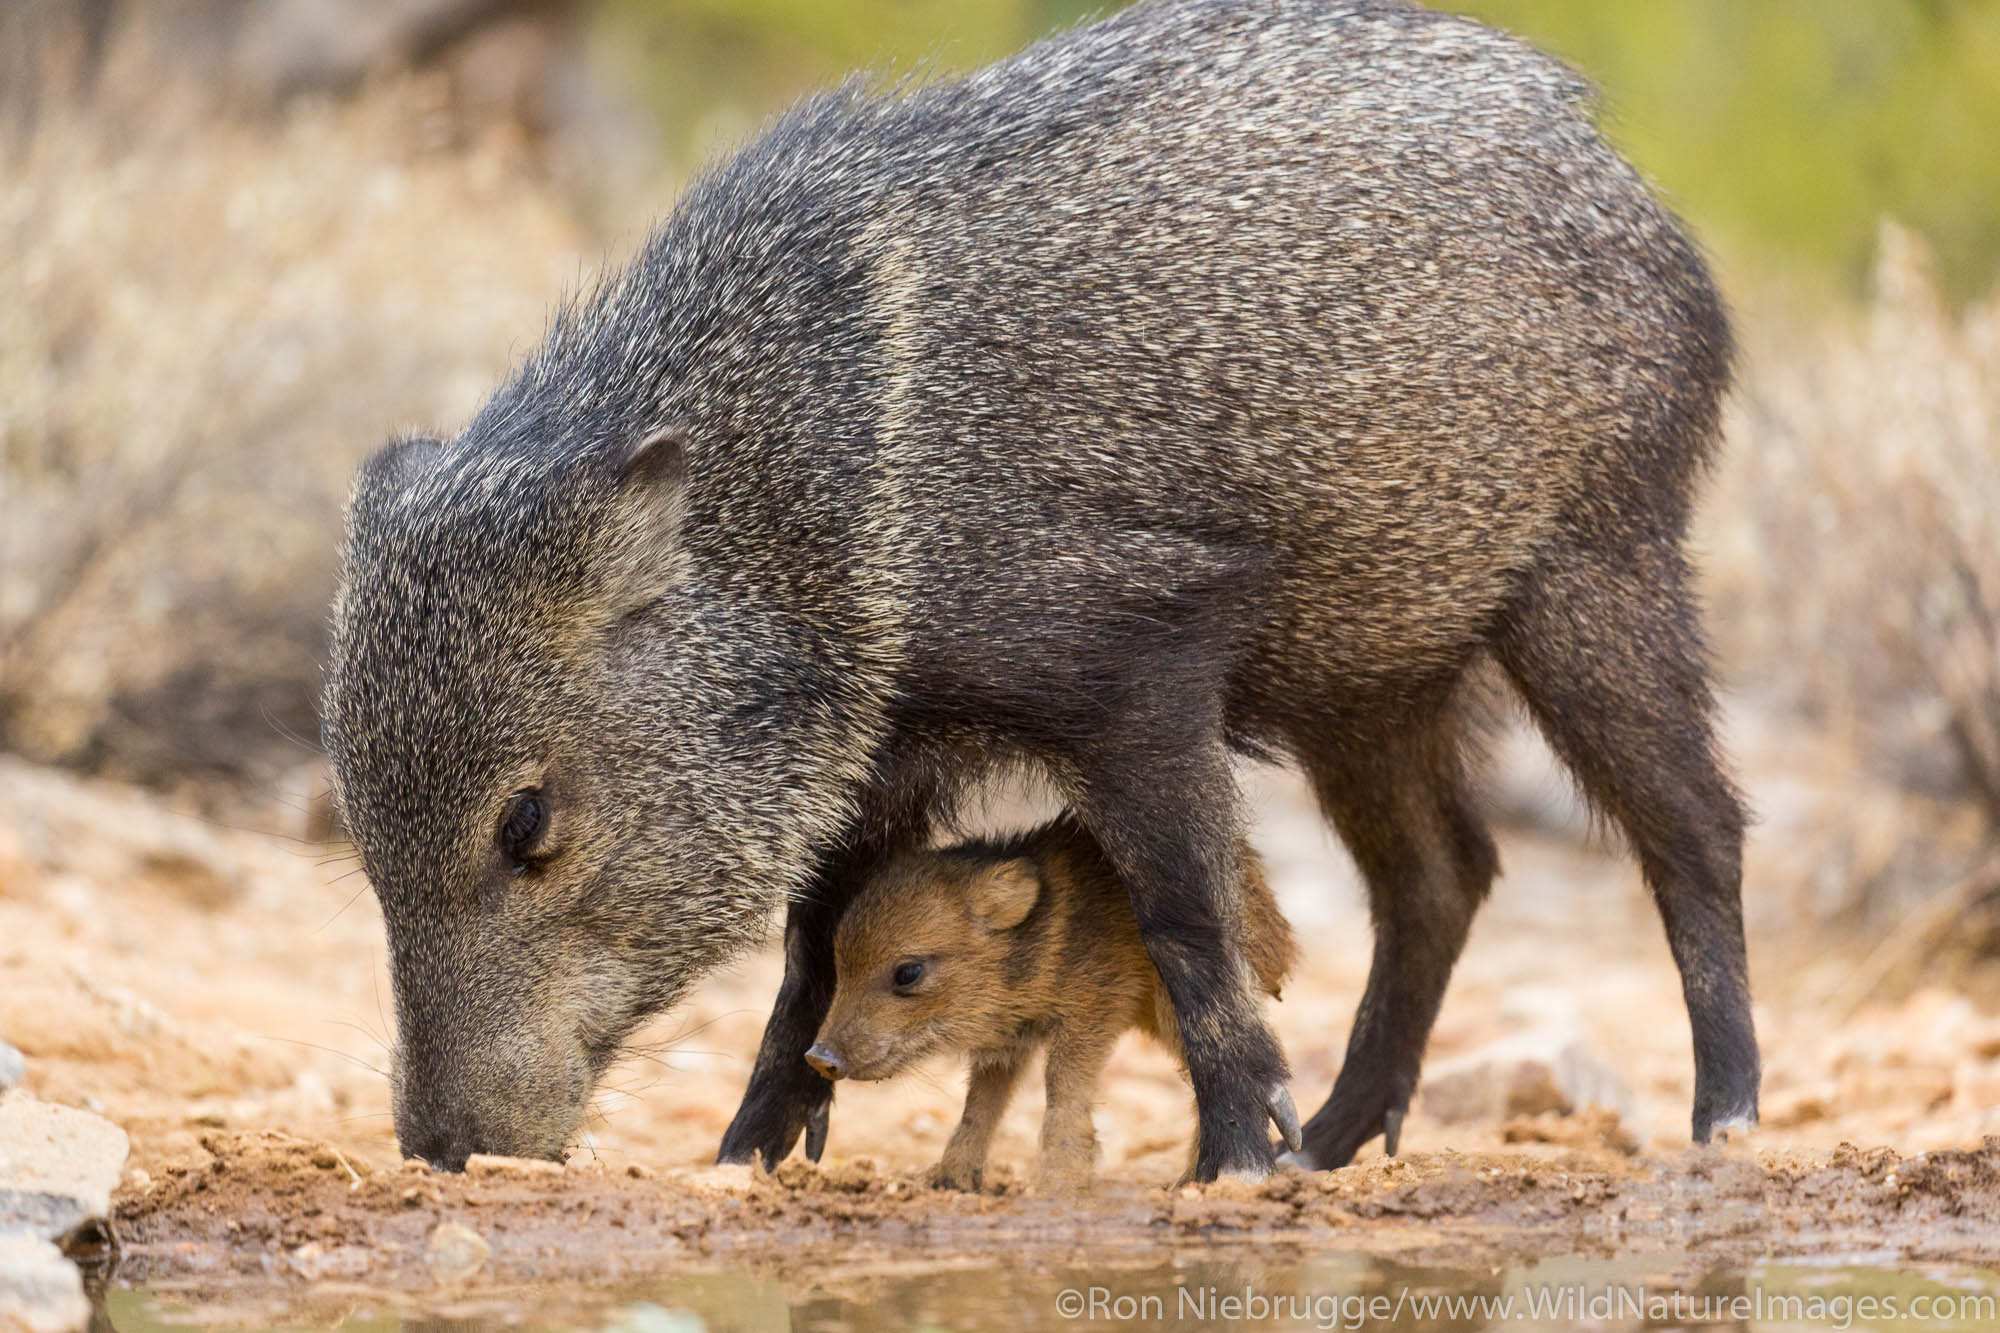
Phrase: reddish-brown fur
(1019, 945)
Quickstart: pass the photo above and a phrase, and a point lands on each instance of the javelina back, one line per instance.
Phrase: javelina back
(996, 950)
(1228, 374)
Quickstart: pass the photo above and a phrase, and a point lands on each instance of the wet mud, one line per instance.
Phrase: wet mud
(261, 1207)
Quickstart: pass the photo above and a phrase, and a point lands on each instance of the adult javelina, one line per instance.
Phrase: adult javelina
(1228, 374)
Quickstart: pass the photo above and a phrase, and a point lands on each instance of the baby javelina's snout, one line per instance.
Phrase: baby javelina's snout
(994, 949)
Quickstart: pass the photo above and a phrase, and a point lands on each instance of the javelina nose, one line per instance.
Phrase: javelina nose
(445, 1147)
(446, 1154)
(827, 1061)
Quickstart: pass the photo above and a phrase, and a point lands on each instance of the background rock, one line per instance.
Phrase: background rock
(58, 1166)
(40, 1291)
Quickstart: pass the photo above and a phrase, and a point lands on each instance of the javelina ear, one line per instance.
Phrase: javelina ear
(658, 458)
(1003, 895)
(644, 560)
(391, 469)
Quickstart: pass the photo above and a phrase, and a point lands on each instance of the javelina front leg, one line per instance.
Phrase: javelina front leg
(988, 1088)
(1069, 1139)
(1166, 819)
(785, 1096)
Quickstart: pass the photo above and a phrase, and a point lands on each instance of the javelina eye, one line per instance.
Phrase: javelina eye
(908, 973)
(522, 830)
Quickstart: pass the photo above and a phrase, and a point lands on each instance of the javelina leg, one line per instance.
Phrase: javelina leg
(1069, 1139)
(1608, 654)
(1163, 814)
(785, 1096)
(988, 1088)
(1401, 808)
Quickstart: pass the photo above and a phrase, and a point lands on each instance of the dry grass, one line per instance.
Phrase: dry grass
(1854, 548)
(203, 326)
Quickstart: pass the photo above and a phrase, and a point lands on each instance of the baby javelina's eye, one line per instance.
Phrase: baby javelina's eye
(522, 830)
(908, 973)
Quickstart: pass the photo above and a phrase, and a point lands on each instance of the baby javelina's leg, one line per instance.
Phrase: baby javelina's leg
(991, 1083)
(1077, 1056)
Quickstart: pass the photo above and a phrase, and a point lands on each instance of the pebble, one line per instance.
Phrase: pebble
(1525, 1075)
(485, 1164)
(455, 1252)
(12, 1066)
(646, 1317)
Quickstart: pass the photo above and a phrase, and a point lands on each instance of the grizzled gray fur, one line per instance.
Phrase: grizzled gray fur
(1228, 375)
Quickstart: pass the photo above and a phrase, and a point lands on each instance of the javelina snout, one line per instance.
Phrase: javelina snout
(472, 1077)
(511, 1103)
(842, 1052)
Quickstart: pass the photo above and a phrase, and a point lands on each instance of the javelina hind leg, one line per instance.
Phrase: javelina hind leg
(988, 1088)
(786, 1097)
(1401, 807)
(1164, 812)
(1608, 654)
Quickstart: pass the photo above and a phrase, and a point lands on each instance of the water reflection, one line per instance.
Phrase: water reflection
(1239, 1290)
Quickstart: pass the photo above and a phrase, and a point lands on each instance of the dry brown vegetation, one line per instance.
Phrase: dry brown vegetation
(207, 321)
(205, 324)
(1853, 542)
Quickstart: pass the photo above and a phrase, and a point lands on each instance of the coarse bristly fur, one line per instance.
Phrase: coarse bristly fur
(997, 950)
(1227, 374)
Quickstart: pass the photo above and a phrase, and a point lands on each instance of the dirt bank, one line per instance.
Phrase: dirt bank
(261, 1206)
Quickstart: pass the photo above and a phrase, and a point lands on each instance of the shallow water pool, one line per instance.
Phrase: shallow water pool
(1237, 1291)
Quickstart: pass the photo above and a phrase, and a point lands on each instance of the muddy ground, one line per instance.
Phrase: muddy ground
(220, 994)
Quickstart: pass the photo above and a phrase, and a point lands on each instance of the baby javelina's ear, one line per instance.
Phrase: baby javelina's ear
(1002, 895)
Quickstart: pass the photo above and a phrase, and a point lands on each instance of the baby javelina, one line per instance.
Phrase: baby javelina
(994, 949)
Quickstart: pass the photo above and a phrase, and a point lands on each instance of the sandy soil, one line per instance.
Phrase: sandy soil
(220, 994)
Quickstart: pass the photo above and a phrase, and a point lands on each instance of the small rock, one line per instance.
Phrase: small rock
(12, 1066)
(1525, 1076)
(455, 1252)
(40, 1291)
(730, 1177)
(308, 1261)
(58, 1165)
(646, 1317)
(1795, 1107)
(483, 1164)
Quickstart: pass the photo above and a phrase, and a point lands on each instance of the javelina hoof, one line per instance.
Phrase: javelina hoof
(767, 1126)
(1735, 1127)
(1278, 1101)
(816, 1124)
(1233, 1144)
(965, 1180)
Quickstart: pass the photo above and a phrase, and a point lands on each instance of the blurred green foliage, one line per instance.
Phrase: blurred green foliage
(1784, 129)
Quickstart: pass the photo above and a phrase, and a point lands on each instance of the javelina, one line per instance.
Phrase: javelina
(998, 949)
(1224, 375)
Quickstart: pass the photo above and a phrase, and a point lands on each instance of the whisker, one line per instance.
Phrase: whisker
(341, 1022)
(344, 906)
(351, 1059)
